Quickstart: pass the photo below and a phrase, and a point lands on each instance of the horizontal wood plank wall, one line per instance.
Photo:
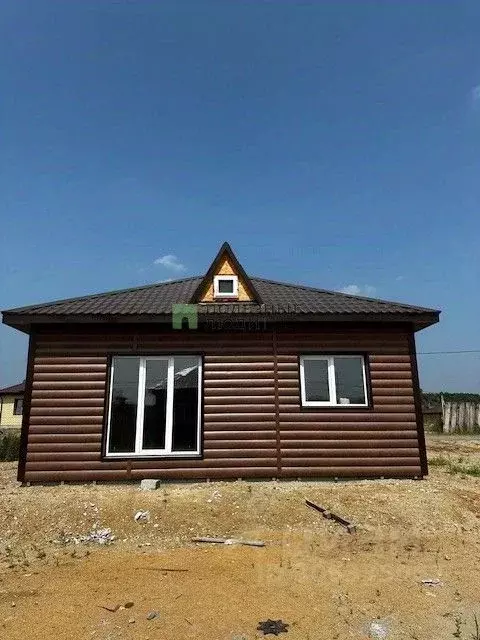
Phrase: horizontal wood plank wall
(240, 423)
(381, 441)
(66, 420)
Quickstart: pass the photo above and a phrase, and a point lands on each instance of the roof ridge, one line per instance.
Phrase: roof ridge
(345, 295)
(92, 296)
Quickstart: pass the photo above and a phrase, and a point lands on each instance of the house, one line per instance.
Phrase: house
(221, 376)
(11, 407)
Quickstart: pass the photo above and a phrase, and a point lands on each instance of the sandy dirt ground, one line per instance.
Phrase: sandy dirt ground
(325, 583)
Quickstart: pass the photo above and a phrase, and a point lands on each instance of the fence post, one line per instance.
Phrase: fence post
(444, 421)
(460, 417)
(470, 417)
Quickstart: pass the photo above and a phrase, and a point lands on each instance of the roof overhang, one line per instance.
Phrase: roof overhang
(24, 322)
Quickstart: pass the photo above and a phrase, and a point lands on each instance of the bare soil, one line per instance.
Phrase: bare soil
(312, 574)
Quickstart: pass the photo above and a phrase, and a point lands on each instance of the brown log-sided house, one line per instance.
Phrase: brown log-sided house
(221, 376)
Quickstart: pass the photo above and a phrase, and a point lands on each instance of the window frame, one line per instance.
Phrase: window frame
(165, 453)
(318, 404)
(16, 401)
(219, 294)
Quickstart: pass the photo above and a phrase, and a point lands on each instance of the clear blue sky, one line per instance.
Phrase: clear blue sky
(332, 143)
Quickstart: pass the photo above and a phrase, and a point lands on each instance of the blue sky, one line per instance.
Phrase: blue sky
(331, 143)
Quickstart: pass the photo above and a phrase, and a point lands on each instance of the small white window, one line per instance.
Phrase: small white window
(225, 286)
(333, 381)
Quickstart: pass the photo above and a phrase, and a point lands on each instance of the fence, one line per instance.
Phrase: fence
(460, 417)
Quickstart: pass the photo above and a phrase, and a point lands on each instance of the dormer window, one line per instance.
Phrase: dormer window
(225, 281)
(225, 286)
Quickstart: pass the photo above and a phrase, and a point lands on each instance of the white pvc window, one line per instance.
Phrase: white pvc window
(154, 406)
(225, 286)
(333, 381)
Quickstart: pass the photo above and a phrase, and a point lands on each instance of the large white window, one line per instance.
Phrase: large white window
(333, 381)
(225, 286)
(155, 406)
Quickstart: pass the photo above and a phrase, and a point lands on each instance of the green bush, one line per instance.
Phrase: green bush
(433, 423)
(9, 446)
(434, 399)
(453, 467)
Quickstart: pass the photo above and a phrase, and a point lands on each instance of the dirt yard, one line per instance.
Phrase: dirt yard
(325, 583)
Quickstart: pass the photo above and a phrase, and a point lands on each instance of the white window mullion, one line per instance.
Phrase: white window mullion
(332, 386)
(199, 409)
(140, 405)
(110, 395)
(169, 416)
(302, 381)
(365, 390)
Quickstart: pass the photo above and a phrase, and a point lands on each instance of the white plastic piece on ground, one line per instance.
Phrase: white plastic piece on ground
(432, 582)
(142, 516)
(98, 536)
(149, 484)
(101, 536)
(378, 631)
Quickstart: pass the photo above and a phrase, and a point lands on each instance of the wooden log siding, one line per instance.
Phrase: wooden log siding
(381, 441)
(253, 423)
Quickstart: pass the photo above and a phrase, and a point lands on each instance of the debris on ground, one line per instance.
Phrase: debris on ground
(248, 543)
(432, 582)
(98, 536)
(151, 615)
(162, 569)
(216, 495)
(273, 626)
(149, 484)
(378, 631)
(113, 608)
(332, 516)
(142, 516)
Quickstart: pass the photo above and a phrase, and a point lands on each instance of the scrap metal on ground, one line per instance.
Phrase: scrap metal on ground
(248, 543)
(332, 516)
(273, 626)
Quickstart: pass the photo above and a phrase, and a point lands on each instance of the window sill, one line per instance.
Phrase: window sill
(337, 407)
(151, 456)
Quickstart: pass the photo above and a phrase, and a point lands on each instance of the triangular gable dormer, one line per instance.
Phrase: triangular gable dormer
(226, 281)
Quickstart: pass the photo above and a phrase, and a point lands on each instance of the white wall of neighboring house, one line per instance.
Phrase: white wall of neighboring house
(8, 418)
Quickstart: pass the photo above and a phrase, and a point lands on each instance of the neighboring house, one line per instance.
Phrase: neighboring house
(11, 407)
(259, 379)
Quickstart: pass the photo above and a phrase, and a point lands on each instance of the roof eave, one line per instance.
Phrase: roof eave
(24, 322)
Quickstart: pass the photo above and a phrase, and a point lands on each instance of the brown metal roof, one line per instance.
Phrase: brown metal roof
(13, 390)
(278, 298)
